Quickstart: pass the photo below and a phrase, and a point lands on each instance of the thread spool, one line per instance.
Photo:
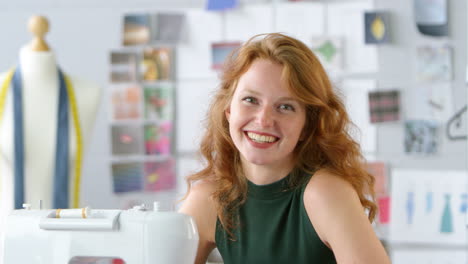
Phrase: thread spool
(73, 213)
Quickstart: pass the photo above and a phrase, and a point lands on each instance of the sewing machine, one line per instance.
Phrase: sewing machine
(134, 236)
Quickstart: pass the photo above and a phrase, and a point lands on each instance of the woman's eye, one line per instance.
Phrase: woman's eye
(250, 100)
(286, 107)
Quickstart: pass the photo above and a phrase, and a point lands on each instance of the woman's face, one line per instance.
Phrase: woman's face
(265, 120)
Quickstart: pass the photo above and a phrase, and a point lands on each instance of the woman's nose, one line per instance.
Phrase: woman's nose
(265, 116)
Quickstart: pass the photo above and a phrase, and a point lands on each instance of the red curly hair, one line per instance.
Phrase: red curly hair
(326, 145)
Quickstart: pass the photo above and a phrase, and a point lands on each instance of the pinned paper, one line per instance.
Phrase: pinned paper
(330, 51)
(422, 137)
(127, 177)
(158, 138)
(156, 64)
(379, 171)
(127, 140)
(384, 106)
(158, 102)
(377, 27)
(425, 207)
(160, 175)
(136, 29)
(221, 51)
(434, 63)
(220, 5)
(123, 67)
(126, 102)
(168, 28)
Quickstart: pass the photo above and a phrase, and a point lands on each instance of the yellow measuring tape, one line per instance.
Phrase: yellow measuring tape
(76, 124)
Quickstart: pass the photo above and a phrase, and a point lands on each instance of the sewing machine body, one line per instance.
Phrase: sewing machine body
(135, 236)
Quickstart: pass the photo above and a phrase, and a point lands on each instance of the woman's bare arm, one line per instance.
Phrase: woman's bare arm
(200, 206)
(340, 221)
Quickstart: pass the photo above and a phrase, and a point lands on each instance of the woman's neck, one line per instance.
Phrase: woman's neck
(37, 63)
(265, 174)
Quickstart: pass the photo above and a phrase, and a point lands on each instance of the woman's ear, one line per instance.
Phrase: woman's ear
(227, 112)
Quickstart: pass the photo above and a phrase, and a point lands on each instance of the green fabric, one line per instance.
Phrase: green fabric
(274, 228)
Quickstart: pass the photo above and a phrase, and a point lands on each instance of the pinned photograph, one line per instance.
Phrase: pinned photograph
(136, 29)
(126, 102)
(421, 137)
(330, 51)
(160, 175)
(127, 177)
(220, 51)
(158, 138)
(156, 64)
(127, 140)
(377, 25)
(384, 106)
(123, 67)
(168, 28)
(158, 102)
(434, 63)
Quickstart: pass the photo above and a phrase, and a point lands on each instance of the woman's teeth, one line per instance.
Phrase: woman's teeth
(260, 138)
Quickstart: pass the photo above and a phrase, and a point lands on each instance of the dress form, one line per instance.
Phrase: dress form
(40, 99)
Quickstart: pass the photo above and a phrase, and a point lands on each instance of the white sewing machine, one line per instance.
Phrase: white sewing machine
(135, 236)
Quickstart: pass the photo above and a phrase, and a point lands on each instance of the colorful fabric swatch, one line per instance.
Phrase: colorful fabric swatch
(123, 67)
(158, 138)
(127, 177)
(160, 175)
(158, 102)
(126, 101)
(384, 106)
(127, 140)
(136, 29)
(156, 64)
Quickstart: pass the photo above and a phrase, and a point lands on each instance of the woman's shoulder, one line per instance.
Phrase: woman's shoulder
(328, 198)
(327, 195)
(200, 205)
(325, 185)
(199, 195)
(203, 187)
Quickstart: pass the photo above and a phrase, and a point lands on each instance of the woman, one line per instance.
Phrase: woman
(283, 182)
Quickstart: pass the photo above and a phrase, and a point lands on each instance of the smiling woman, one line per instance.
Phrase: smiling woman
(265, 122)
(283, 180)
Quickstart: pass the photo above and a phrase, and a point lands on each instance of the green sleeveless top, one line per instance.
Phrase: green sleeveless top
(274, 228)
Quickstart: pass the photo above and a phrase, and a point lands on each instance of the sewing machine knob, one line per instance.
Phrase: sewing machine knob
(26, 206)
(139, 207)
(156, 206)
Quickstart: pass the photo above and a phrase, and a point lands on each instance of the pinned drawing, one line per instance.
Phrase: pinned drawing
(330, 51)
(434, 63)
(446, 225)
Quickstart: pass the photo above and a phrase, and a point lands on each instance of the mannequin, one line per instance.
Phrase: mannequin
(40, 90)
